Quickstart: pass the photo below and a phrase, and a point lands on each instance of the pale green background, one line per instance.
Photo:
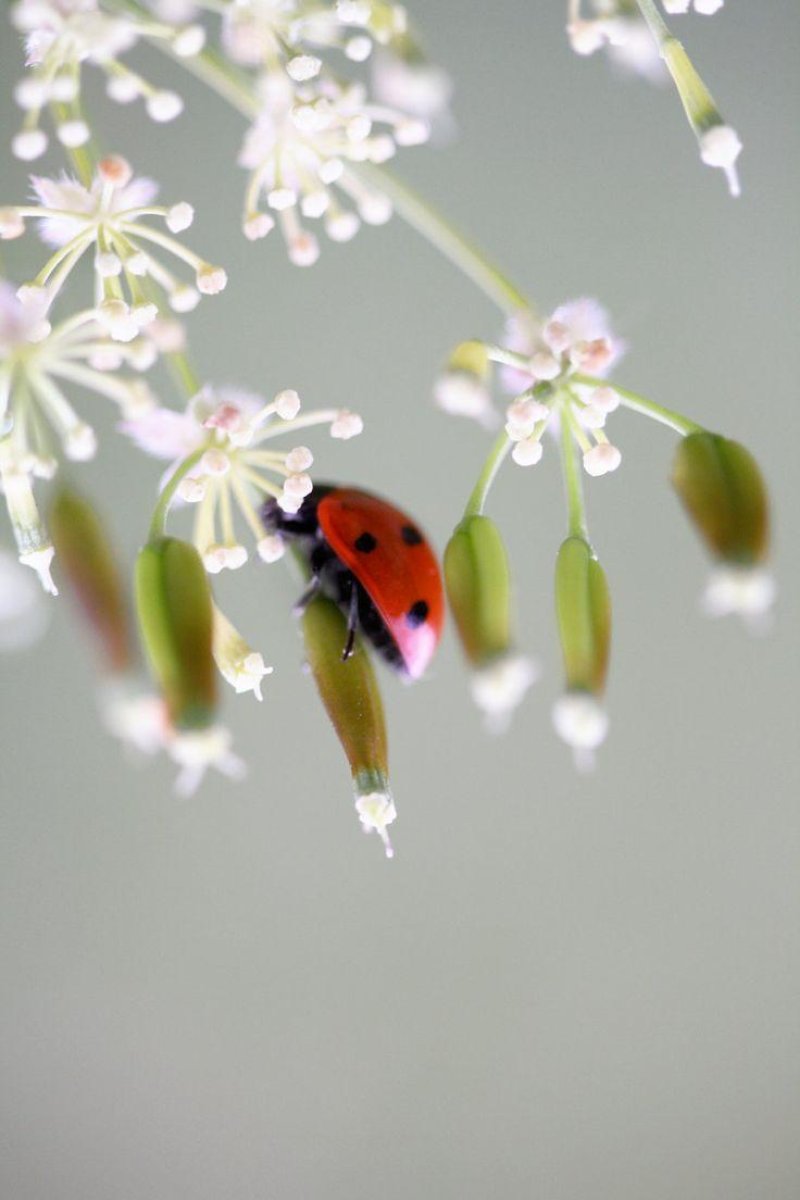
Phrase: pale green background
(562, 988)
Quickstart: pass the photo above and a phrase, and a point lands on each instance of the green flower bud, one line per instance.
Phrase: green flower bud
(86, 558)
(724, 494)
(349, 691)
(478, 582)
(175, 610)
(583, 609)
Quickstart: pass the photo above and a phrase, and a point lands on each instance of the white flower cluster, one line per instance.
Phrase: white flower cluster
(220, 446)
(109, 220)
(62, 35)
(555, 370)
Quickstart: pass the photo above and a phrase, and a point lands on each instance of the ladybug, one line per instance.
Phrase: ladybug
(372, 559)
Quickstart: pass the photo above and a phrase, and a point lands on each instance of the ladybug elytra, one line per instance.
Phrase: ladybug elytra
(372, 559)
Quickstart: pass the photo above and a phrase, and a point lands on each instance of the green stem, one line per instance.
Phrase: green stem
(494, 460)
(158, 525)
(647, 408)
(448, 240)
(655, 22)
(572, 478)
(235, 88)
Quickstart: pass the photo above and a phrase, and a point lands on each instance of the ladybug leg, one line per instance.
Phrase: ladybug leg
(307, 596)
(352, 622)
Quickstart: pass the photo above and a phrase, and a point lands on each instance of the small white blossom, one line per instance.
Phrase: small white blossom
(239, 664)
(195, 752)
(720, 146)
(747, 592)
(376, 811)
(110, 221)
(499, 686)
(23, 612)
(582, 723)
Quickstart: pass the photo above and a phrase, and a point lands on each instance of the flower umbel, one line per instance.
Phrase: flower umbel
(222, 463)
(110, 221)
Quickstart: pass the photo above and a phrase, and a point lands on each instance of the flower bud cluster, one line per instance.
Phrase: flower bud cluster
(63, 35)
(555, 369)
(220, 449)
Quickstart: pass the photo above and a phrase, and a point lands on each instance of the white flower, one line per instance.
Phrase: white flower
(195, 752)
(37, 363)
(239, 664)
(747, 592)
(23, 613)
(581, 722)
(226, 432)
(109, 219)
(376, 811)
(303, 152)
(499, 686)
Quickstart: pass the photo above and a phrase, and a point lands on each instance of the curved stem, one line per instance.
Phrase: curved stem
(647, 408)
(158, 524)
(494, 460)
(572, 478)
(445, 238)
(236, 89)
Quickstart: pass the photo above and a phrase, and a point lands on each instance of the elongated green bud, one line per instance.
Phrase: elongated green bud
(583, 609)
(478, 582)
(173, 601)
(724, 494)
(85, 556)
(349, 691)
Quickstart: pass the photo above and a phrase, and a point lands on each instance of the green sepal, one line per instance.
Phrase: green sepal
(173, 601)
(723, 492)
(349, 691)
(478, 583)
(86, 558)
(583, 609)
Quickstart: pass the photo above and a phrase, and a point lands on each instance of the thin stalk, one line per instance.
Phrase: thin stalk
(647, 408)
(494, 460)
(576, 509)
(445, 238)
(158, 524)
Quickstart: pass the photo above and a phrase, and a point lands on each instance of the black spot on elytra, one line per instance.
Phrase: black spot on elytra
(410, 535)
(365, 543)
(417, 614)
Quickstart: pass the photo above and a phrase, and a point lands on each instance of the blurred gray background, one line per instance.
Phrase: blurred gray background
(562, 987)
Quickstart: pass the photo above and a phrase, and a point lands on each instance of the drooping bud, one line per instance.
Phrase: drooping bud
(349, 691)
(174, 605)
(724, 494)
(86, 558)
(583, 610)
(478, 582)
(719, 144)
(463, 388)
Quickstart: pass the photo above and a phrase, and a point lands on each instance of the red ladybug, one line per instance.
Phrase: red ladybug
(373, 561)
